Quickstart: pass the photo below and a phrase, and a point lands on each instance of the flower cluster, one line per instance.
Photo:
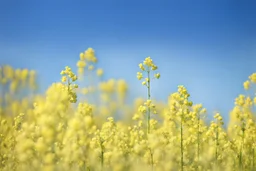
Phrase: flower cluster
(44, 132)
(87, 59)
(146, 67)
(68, 78)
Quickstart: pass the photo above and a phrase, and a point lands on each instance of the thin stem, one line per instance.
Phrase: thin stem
(102, 159)
(68, 85)
(102, 156)
(149, 96)
(241, 149)
(152, 159)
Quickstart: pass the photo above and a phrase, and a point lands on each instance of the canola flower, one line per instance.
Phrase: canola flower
(147, 67)
(63, 130)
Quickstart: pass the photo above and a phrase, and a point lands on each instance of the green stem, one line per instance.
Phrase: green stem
(68, 85)
(149, 96)
(241, 149)
(152, 160)
(102, 159)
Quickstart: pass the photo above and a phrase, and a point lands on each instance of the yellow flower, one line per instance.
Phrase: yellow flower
(81, 56)
(157, 76)
(246, 85)
(216, 115)
(91, 67)
(135, 117)
(154, 67)
(142, 109)
(62, 72)
(141, 67)
(81, 64)
(49, 158)
(253, 77)
(74, 78)
(148, 103)
(139, 75)
(148, 61)
(80, 71)
(63, 79)
(89, 55)
(8, 72)
(24, 74)
(203, 111)
(14, 86)
(100, 72)
(122, 88)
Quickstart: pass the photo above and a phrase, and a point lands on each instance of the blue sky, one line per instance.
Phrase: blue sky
(208, 46)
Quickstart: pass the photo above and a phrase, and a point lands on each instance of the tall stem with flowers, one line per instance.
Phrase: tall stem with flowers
(146, 67)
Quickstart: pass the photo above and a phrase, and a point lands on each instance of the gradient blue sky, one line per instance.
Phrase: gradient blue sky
(208, 46)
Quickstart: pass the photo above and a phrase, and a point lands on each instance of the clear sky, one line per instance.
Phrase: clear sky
(208, 46)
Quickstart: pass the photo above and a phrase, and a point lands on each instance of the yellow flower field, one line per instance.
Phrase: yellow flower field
(82, 123)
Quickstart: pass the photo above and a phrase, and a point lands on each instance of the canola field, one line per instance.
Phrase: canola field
(73, 126)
